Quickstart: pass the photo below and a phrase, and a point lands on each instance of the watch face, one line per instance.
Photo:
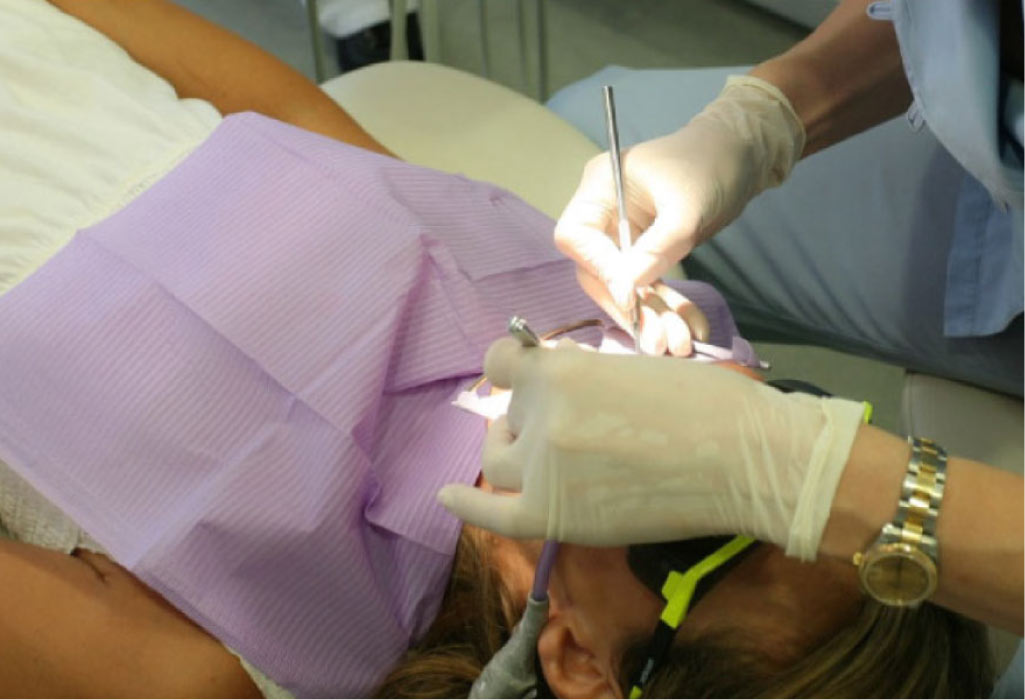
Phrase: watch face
(898, 574)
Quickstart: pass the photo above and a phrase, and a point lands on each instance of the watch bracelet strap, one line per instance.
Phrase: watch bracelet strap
(920, 498)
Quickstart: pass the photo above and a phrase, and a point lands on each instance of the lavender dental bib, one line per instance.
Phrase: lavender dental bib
(240, 384)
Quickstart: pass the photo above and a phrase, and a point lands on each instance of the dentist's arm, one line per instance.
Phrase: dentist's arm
(610, 450)
(203, 60)
(845, 77)
(686, 186)
(979, 528)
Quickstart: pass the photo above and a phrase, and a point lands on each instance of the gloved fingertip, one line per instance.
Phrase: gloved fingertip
(490, 511)
(445, 496)
(501, 360)
(679, 342)
(657, 346)
(462, 501)
(652, 334)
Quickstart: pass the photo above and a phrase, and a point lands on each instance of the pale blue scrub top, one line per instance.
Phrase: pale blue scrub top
(951, 55)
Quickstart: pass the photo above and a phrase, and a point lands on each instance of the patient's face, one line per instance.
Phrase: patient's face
(785, 605)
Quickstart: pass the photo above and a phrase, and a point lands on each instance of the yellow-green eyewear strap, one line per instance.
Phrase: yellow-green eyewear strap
(678, 590)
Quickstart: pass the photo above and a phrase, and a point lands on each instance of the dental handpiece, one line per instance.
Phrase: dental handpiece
(511, 672)
(624, 221)
(519, 329)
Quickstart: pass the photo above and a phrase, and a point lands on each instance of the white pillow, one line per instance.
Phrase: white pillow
(83, 129)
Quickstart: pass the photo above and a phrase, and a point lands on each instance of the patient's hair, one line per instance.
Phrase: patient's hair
(476, 617)
(884, 652)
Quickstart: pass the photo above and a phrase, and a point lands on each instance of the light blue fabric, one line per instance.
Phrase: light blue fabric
(649, 103)
(951, 56)
(850, 253)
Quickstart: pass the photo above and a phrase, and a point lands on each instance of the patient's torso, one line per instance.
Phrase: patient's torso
(239, 386)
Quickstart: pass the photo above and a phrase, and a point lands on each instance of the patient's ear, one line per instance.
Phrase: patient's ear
(574, 666)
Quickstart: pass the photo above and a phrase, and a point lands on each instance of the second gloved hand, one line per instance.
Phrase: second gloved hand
(609, 450)
(680, 188)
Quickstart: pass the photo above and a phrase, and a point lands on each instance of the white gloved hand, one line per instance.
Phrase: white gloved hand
(680, 190)
(609, 450)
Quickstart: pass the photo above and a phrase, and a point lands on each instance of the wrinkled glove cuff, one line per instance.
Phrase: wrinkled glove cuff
(829, 456)
(782, 132)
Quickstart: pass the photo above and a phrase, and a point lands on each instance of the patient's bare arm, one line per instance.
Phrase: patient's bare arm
(82, 626)
(203, 60)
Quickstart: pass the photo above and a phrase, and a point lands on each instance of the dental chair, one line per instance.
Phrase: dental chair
(436, 116)
(443, 118)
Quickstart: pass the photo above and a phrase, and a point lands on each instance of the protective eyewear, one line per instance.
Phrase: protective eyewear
(682, 573)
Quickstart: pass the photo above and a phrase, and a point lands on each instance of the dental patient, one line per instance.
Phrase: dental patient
(229, 354)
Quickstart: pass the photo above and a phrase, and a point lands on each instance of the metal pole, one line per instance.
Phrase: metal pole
(542, 52)
(482, 18)
(317, 39)
(624, 221)
(399, 50)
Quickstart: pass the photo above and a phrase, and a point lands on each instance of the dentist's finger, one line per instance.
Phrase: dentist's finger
(588, 231)
(653, 333)
(678, 337)
(696, 320)
(652, 339)
(502, 360)
(674, 329)
(499, 513)
(597, 290)
(497, 460)
(668, 240)
(591, 248)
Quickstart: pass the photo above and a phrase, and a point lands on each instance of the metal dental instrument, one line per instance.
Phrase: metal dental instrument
(519, 329)
(617, 177)
(511, 673)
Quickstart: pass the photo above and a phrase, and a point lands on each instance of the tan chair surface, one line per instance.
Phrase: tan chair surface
(965, 420)
(443, 118)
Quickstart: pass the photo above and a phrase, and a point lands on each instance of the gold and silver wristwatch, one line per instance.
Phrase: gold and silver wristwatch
(900, 568)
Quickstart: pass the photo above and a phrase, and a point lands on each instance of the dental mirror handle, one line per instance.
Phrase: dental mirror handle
(617, 177)
(617, 166)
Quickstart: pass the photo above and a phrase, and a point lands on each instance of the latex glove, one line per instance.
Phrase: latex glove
(609, 450)
(669, 321)
(680, 190)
